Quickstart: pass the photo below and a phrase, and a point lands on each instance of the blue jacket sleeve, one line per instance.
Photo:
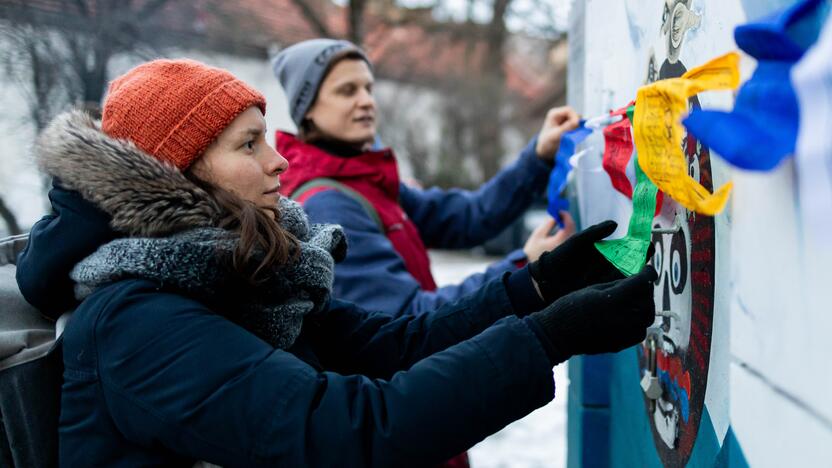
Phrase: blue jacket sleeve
(56, 243)
(460, 219)
(176, 375)
(373, 274)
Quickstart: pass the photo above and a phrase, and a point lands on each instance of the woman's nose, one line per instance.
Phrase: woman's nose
(366, 99)
(277, 164)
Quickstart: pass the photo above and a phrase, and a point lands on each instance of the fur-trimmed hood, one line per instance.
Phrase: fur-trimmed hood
(143, 195)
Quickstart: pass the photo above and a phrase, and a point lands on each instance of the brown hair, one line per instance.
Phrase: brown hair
(263, 243)
(307, 131)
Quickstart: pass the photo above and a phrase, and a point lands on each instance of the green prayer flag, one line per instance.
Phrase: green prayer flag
(628, 253)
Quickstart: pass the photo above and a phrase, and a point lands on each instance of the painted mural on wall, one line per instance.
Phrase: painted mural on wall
(674, 358)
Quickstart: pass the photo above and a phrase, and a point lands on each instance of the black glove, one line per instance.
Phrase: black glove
(576, 264)
(603, 318)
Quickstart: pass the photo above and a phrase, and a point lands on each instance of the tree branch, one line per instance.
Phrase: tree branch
(312, 17)
(355, 20)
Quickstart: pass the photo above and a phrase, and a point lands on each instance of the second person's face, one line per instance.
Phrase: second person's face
(345, 109)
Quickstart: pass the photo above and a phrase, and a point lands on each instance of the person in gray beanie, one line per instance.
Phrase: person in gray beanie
(340, 178)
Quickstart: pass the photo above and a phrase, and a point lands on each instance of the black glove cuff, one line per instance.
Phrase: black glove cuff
(521, 292)
(556, 356)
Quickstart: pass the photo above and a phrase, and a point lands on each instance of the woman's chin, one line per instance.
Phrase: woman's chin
(270, 200)
(363, 136)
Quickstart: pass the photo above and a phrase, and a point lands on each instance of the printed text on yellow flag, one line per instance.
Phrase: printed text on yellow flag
(658, 132)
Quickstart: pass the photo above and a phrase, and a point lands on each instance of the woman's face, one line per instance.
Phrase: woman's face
(241, 161)
(345, 108)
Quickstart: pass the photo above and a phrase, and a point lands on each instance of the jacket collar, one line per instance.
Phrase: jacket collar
(307, 162)
(339, 149)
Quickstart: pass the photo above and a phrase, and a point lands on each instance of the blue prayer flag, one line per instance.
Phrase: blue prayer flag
(557, 179)
(762, 129)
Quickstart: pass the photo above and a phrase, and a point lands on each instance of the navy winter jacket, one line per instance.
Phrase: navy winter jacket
(153, 377)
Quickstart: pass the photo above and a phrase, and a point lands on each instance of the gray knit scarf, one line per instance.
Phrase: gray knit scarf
(196, 263)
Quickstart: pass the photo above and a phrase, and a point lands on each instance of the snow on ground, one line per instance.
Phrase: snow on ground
(538, 440)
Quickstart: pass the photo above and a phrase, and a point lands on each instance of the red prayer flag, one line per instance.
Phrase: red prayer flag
(618, 151)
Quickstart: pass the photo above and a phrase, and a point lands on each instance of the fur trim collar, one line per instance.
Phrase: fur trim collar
(143, 195)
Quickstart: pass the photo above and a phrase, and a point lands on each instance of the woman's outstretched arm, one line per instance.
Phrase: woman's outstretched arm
(176, 375)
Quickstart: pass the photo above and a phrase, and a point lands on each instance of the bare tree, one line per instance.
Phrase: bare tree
(493, 84)
(59, 52)
(355, 21)
(61, 49)
(473, 112)
(314, 16)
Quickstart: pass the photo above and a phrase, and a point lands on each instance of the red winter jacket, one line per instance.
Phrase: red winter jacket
(374, 175)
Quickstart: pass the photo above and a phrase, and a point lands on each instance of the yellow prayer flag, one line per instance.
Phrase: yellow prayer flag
(658, 132)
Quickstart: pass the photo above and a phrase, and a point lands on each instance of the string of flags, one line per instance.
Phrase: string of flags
(628, 253)
(757, 134)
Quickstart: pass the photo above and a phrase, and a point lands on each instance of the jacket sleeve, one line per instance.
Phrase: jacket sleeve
(177, 376)
(56, 243)
(353, 341)
(457, 218)
(373, 274)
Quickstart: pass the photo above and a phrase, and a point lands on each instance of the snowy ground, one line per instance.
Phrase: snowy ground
(538, 440)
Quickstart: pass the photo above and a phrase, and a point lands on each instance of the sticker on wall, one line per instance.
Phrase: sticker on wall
(673, 360)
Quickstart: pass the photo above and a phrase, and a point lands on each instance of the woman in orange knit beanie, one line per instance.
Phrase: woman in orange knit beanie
(206, 330)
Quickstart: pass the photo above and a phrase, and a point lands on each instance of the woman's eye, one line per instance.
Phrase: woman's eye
(249, 145)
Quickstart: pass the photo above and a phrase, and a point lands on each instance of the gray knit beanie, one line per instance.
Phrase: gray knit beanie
(301, 68)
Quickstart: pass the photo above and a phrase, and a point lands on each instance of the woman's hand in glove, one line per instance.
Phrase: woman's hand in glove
(575, 264)
(603, 318)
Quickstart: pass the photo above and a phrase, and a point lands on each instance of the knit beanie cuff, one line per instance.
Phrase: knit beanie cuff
(187, 141)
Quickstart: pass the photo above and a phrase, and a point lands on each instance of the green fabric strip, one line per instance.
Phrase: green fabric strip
(628, 253)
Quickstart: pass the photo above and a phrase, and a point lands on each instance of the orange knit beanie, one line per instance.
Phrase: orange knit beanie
(174, 109)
